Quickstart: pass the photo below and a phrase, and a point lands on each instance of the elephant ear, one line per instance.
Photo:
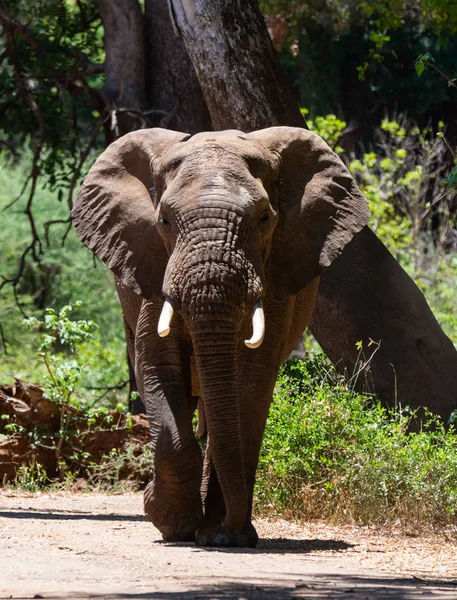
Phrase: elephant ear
(320, 208)
(114, 211)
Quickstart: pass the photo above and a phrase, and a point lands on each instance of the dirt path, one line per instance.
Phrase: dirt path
(97, 546)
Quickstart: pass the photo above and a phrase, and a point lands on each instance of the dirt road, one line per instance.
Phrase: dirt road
(97, 546)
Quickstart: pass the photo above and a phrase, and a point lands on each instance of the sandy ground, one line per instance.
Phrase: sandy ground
(99, 546)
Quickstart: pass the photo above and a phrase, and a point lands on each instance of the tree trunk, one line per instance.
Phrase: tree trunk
(124, 88)
(173, 92)
(236, 64)
(366, 294)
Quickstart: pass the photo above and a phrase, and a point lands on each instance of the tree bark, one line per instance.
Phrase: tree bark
(124, 88)
(365, 294)
(236, 64)
(172, 87)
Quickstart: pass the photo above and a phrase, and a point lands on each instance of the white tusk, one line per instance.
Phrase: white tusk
(163, 328)
(258, 326)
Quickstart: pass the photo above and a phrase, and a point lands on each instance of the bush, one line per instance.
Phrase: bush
(406, 183)
(330, 452)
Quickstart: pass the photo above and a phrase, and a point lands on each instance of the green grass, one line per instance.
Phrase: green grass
(330, 452)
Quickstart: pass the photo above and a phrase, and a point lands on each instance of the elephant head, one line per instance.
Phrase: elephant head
(213, 223)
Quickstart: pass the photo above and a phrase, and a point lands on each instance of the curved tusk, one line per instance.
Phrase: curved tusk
(163, 328)
(258, 326)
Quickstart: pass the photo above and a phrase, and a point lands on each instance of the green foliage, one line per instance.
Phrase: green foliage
(330, 452)
(45, 84)
(31, 478)
(412, 203)
(436, 276)
(330, 128)
(59, 342)
(121, 471)
(406, 184)
(359, 57)
(64, 274)
(58, 331)
(421, 62)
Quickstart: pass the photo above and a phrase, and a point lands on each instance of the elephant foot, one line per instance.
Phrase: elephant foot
(184, 533)
(217, 536)
(176, 523)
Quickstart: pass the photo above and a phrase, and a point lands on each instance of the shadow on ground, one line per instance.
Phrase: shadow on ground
(272, 546)
(327, 587)
(266, 545)
(70, 515)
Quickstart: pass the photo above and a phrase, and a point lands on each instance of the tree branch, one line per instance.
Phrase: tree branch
(15, 25)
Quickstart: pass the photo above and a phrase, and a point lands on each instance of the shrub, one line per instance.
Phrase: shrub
(330, 452)
(406, 183)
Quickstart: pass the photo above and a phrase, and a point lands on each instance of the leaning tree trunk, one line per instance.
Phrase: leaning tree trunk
(366, 294)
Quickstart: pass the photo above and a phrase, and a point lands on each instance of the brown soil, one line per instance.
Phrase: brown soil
(25, 405)
(99, 546)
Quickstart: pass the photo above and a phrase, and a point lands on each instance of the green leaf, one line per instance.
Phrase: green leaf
(452, 177)
(419, 66)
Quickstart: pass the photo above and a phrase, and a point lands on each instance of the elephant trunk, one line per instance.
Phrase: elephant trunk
(215, 346)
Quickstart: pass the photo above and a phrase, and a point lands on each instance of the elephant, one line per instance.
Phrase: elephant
(216, 242)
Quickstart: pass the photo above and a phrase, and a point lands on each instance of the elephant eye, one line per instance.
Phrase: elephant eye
(163, 219)
(264, 220)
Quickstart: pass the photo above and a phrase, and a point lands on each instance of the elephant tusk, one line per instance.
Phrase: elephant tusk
(258, 326)
(163, 328)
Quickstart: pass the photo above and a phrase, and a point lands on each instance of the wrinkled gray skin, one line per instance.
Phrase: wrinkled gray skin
(213, 223)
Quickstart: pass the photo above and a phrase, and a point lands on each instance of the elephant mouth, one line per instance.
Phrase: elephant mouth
(258, 323)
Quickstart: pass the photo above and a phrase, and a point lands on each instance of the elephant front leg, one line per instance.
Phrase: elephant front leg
(211, 532)
(255, 399)
(172, 499)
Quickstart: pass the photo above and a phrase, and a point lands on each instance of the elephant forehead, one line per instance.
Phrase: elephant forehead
(228, 134)
(223, 150)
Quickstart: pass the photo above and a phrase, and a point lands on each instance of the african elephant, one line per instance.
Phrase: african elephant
(216, 242)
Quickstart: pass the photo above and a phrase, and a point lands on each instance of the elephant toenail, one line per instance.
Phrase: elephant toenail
(202, 541)
(221, 539)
